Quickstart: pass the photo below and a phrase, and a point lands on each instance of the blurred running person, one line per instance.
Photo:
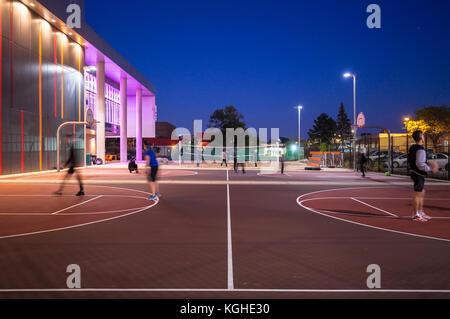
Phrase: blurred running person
(71, 163)
(417, 159)
(152, 172)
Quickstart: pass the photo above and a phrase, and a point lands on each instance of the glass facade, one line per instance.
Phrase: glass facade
(112, 102)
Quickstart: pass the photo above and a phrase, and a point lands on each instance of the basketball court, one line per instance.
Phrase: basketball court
(216, 234)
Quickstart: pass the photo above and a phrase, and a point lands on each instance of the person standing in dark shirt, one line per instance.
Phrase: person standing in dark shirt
(71, 163)
(417, 159)
(132, 166)
(362, 163)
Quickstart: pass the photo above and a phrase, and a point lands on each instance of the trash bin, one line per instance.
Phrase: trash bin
(88, 159)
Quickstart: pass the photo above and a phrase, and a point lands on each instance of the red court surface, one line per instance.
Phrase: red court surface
(219, 234)
(34, 209)
(384, 208)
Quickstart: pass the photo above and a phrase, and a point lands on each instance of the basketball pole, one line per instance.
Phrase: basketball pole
(58, 166)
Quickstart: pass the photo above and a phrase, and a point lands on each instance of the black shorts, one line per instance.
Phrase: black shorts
(151, 177)
(419, 182)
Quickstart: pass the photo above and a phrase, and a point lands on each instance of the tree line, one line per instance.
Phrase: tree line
(432, 120)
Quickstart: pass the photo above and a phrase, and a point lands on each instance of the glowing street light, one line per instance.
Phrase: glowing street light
(406, 119)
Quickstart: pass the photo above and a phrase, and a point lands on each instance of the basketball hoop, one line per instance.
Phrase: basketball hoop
(90, 117)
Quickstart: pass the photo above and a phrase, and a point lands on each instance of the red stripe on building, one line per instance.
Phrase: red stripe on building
(1, 97)
(46, 142)
(22, 167)
(56, 76)
(11, 56)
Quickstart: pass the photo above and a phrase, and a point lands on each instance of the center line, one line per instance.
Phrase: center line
(230, 250)
(89, 200)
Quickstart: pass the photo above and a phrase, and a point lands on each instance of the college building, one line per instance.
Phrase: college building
(54, 68)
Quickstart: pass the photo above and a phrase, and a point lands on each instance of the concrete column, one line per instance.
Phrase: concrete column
(123, 120)
(100, 106)
(139, 125)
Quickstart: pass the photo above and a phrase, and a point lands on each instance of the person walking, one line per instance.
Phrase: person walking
(240, 160)
(282, 160)
(71, 163)
(198, 156)
(419, 168)
(224, 158)
(362, 163)
(255, 158)
(152, 172)
(235, 160)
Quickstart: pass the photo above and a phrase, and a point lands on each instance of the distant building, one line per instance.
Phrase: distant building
(164, 130)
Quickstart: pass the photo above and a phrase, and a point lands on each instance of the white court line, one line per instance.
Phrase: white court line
(209, 182)
(348, 214)
(379, 209)
(79, 204)
(230, 246)
(81, 225)
(75, 214)
(300, 203)
(439, 291)
(378, 198)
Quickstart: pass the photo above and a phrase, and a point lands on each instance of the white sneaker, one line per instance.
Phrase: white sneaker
(419, 218)
(423, 215)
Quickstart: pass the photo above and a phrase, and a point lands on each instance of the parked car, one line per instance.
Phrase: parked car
(441, 159)
(400, 161)
(374, 156)
(382, 155)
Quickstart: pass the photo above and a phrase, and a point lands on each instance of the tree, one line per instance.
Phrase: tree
(324, 129)
(433, 120)
(228, 117)
(343, 127)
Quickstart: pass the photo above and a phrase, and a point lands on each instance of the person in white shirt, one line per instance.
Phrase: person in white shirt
(417, 159)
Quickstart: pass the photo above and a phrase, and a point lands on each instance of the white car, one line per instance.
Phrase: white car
(441, 159)
(400, 161)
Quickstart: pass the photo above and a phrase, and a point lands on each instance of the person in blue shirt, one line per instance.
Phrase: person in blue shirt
(152, 172)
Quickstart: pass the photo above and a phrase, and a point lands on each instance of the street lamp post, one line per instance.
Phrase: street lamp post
(300, 107)
(406, 119)
(347, 75)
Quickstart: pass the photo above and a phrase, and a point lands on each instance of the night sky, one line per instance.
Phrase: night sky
(265, 57)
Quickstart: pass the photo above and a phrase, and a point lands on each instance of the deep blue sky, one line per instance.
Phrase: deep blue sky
(264, 57)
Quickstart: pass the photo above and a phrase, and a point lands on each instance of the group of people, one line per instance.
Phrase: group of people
(417, 161)
(151, 162)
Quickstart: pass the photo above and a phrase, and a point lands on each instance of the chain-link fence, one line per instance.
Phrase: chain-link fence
(389, 153)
